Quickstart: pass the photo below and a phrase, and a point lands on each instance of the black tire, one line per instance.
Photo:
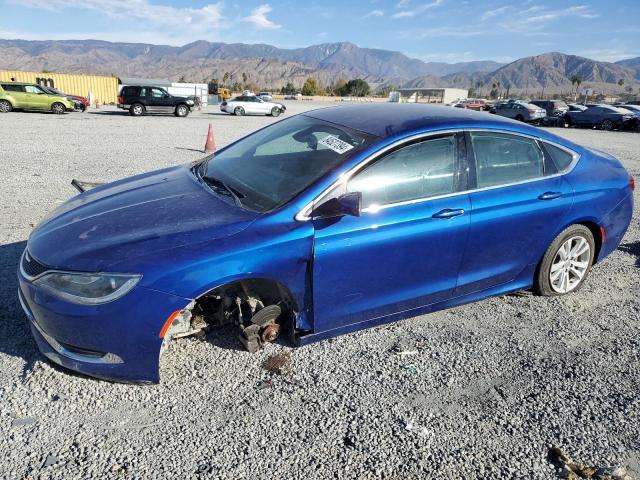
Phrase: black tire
(181, 110)
(520, 118)
(136, 109)
(5, 106)
(275, 111)
(58, 108)
(606, 125)
(238, 111)
(542, 284)
(567, 121)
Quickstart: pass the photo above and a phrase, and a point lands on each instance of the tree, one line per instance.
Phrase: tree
(576, 80)
(244, 77)
(225, 77)
(354, 88)
(182, 79)
(288, 89)
(310, 87)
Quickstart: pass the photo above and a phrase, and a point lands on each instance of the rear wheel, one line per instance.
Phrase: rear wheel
(58, 108)
(181, 111)
(275, 111)
(136, 109)
(566, 263)
(606, 125)
(5, 106)
(238, 111)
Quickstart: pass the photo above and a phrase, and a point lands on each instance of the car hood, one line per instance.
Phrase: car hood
(138, 216)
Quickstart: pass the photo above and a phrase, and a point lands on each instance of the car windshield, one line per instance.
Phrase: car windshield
(270, 167)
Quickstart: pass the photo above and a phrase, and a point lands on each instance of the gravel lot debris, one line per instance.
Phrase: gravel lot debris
(496, 383)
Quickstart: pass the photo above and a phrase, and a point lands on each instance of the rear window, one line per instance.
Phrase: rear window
(130, 91)
(13, 88)
(561, 158)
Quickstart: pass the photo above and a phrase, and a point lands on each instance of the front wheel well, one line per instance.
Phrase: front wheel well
(261, 308)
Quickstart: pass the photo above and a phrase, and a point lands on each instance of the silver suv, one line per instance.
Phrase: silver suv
(524, 112)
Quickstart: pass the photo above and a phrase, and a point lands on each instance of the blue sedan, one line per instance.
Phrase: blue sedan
(325, 223)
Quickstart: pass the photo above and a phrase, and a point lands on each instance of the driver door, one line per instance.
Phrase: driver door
(405, 249)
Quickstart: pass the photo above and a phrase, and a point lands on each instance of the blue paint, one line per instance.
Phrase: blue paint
(343, 274)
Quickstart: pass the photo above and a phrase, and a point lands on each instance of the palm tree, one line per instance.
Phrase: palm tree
(225, 77)
(576, 80)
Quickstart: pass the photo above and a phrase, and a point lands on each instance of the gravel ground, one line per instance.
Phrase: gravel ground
(491, 387)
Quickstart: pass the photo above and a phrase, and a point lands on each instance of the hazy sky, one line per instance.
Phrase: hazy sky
(432, 30)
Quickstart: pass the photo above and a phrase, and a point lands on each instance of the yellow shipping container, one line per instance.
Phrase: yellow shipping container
(104, 89)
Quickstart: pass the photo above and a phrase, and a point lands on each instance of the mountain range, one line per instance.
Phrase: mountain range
(269, 66)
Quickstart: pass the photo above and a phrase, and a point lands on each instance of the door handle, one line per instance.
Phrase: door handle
(449, 213)
(550, 195)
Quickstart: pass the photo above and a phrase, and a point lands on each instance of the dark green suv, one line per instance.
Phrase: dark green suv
(148, 99)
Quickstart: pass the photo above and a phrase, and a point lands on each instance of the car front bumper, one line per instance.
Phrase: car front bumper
(118, 341)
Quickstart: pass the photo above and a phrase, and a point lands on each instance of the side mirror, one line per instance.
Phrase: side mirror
(346, 204)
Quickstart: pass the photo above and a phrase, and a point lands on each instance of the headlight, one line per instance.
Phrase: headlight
(190, 102)
(88, 288)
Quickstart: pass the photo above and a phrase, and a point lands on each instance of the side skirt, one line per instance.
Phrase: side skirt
(521, 283)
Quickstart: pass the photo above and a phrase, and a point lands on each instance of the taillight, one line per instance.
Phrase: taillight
(632, 183)
(120, 99)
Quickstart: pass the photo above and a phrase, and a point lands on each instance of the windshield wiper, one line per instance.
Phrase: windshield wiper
(222, 187)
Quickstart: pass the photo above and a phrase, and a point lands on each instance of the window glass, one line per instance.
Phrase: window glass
(273, 165)
(13, 88)
(503, 158)
(32, 89)
(420, 170)
(561, 158)
(156, 92)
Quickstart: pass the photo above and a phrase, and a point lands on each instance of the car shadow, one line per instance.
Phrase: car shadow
(15, 334)
(633, 248)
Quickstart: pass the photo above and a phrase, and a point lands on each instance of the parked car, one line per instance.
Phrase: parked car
(139, 100)
(576, 107)
(251, 105)
(29, 96)
(472, 104)
(601, 116)
(523, 112)
(81, 103)
(290, 229)
(554, 108)
(266, 96)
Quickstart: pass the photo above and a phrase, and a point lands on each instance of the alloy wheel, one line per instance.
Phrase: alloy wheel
(5, 107)
(607, 125)
(58, 108)
(570, 264)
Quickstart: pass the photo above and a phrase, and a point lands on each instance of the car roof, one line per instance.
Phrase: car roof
(391, 119)
(19, 83)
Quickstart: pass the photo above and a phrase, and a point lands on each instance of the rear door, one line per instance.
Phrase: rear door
(405, 249)
(35, 97)
(17, 93)
(517, 204)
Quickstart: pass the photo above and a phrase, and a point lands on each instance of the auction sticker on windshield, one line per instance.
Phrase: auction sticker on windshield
(335, 144)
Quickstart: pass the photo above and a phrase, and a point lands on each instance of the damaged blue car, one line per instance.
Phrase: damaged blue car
(325, 223)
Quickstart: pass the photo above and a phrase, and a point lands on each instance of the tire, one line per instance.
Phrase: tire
(275, 111)
(238, 111)
(567, 122)
(520, 118)
(5, 106)
(136, 109)
(181, 110)
(58, 108)
(606, 125)
(557, 275)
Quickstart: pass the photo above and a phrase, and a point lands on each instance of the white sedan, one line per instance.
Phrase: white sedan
(250, 104)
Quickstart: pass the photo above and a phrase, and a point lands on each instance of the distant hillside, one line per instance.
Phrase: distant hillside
(203, 60)
(633, 64)
(551, 71)
(269, 66)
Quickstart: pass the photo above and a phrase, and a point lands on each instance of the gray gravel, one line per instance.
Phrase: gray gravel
(491, 387)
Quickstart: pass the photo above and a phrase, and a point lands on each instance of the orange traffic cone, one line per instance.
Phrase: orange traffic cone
(210, 145)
